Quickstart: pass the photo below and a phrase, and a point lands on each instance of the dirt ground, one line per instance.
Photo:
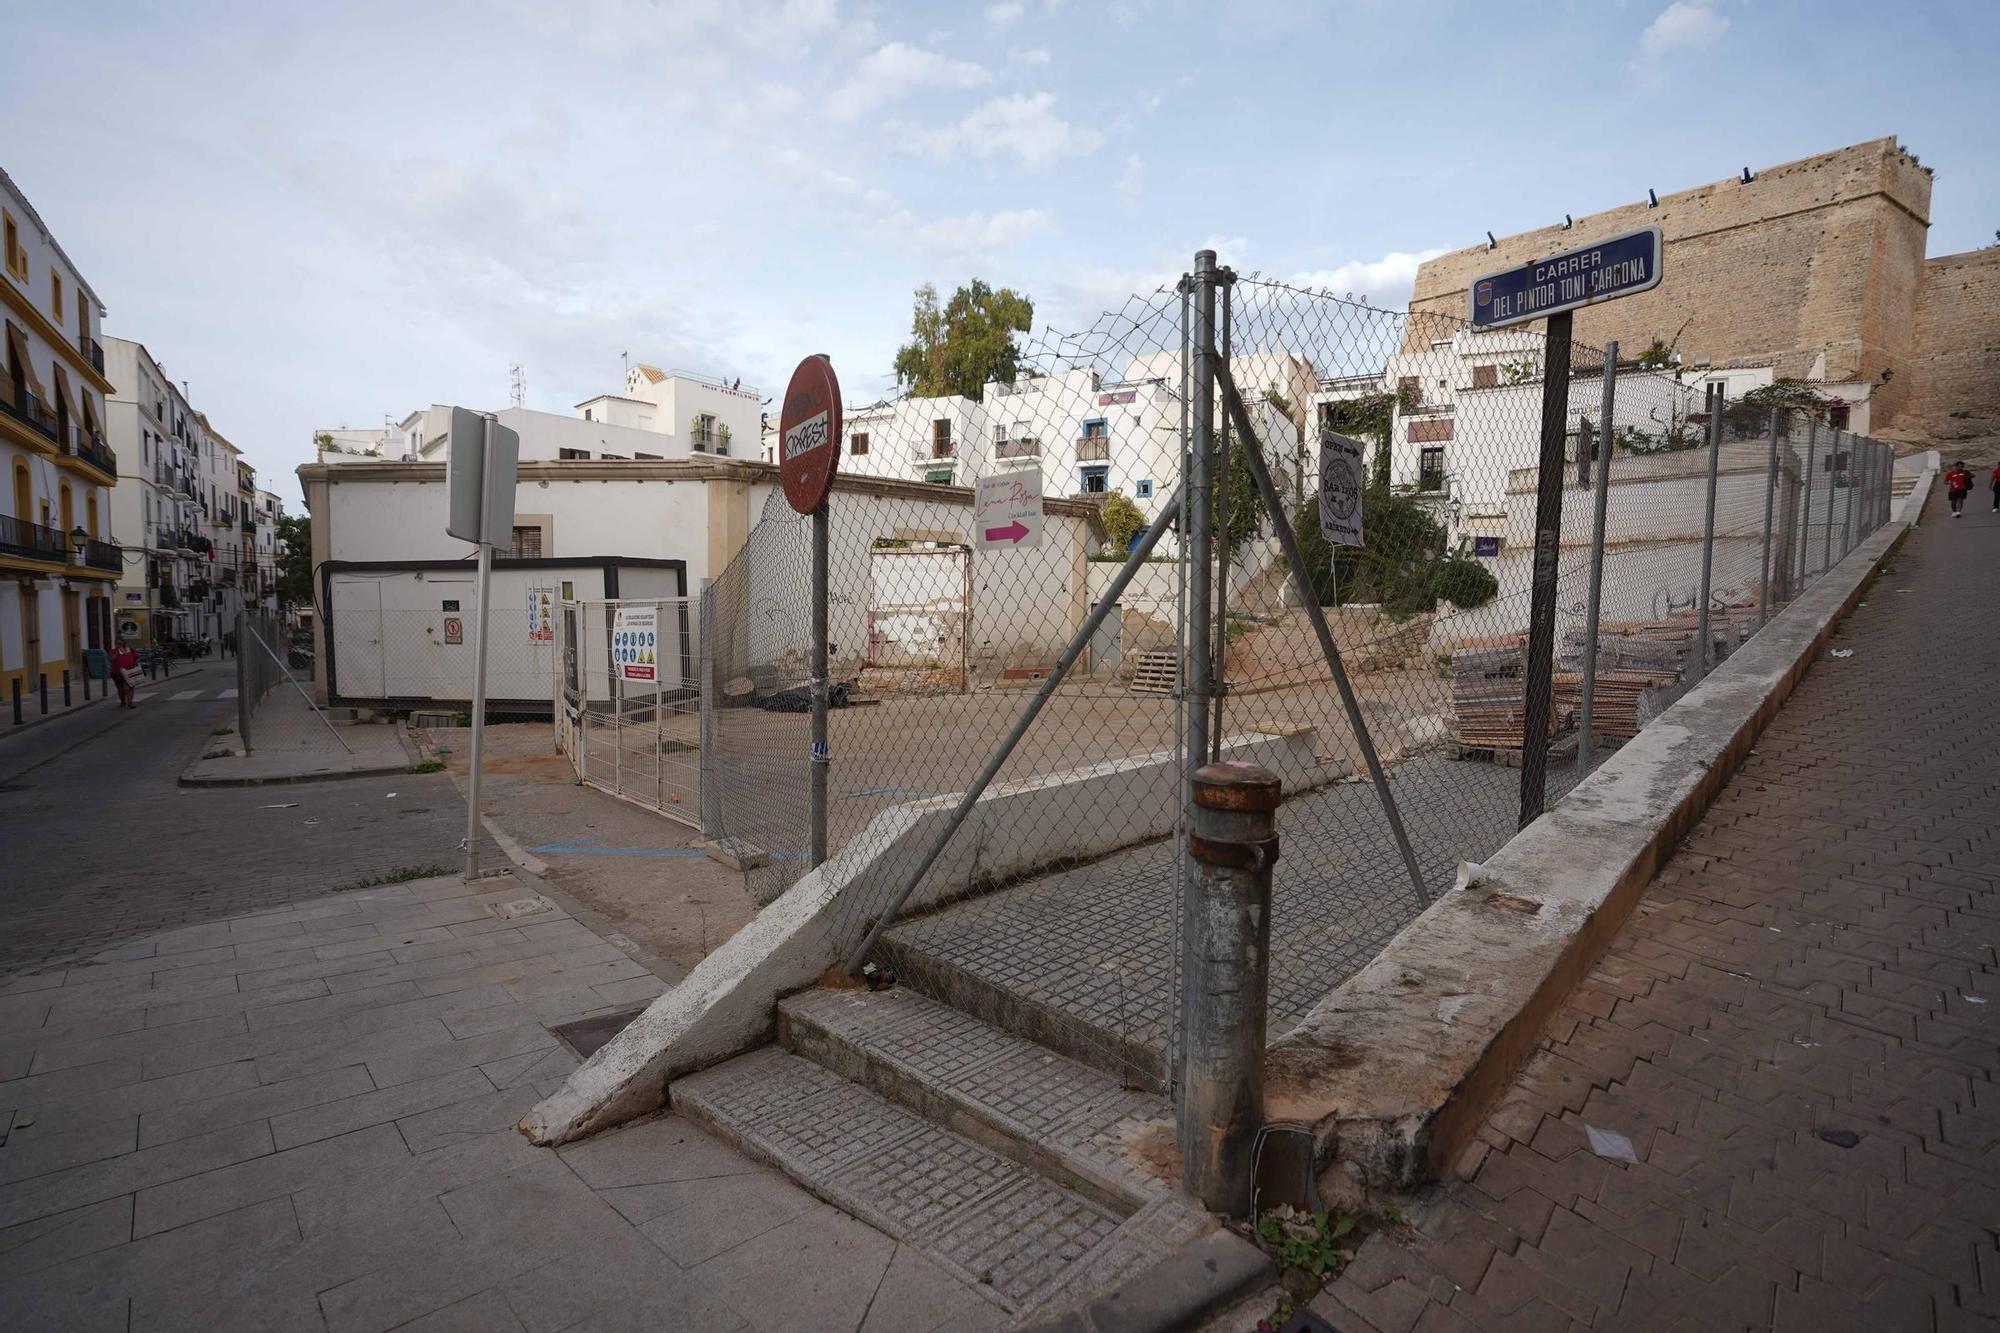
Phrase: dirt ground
(643, 872)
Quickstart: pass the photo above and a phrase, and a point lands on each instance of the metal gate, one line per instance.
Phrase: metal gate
(628, 700)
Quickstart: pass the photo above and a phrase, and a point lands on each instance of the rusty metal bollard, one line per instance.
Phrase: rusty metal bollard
(1233, 841)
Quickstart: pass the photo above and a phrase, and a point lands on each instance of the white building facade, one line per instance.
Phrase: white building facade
(59, 560)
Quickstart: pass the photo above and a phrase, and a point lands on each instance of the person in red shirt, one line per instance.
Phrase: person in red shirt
(1957, 483)
(125, 671)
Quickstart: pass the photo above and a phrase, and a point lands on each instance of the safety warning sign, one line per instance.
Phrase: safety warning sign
(635, 642)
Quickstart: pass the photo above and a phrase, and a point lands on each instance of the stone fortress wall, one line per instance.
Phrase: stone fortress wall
(1815, 267)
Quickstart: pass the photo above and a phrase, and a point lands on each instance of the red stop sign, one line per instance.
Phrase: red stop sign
(809, 434)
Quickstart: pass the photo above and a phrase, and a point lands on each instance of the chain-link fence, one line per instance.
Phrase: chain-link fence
(1085, 669)
(628, 712)
(274, 705)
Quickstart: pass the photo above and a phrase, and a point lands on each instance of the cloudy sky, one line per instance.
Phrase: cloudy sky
(321, 214)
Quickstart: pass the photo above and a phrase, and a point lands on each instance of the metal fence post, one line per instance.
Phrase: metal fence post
(1847, 515)
(14, 688)
(1602, 483)
(66, 700)
(1805, 528)
(244, 702)
(1233, 843)
(1198, 628)
(711, 799)
(1714, 401)
(1770, 502)
(1219, 534)
(42, 684)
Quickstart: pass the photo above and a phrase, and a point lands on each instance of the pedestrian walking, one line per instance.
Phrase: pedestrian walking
(125, 672)
(1996, 489)
(1957, 484)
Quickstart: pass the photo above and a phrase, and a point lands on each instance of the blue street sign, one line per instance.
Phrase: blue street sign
(1601, 271)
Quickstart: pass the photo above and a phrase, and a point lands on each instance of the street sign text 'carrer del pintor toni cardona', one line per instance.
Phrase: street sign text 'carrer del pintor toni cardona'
(1619, 266)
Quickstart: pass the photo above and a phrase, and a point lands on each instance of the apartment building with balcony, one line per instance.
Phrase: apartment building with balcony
(58, 560)
(160, 498)
(1090, 436)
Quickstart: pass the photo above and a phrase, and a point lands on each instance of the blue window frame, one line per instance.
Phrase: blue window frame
(1095, 480)
(1143, 488)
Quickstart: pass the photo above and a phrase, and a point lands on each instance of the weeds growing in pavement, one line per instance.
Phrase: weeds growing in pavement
(400, 875)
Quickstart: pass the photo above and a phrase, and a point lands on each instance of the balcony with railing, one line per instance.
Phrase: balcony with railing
(32, 541)
(92, 350)
(20, 403)
(249, 521)
(89, 447)
(1022, 446)
(101, 555)
(1093, 448)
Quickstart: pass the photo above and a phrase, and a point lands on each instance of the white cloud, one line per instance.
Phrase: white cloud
(1025, 126)
(978, 233)
(1683, 26)
(1005, 13)
(896, 70)
(1386, 283)
(1034, 56)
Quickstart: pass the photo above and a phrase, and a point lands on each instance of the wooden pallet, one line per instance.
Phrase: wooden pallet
(1157, 671)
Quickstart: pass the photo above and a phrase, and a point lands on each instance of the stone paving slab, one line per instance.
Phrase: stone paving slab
(271, 1153)
(1796, 1032)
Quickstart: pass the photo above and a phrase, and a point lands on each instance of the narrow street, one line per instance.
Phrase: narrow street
(102, 845)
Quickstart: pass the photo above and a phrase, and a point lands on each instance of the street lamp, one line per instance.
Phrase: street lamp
(78, 538)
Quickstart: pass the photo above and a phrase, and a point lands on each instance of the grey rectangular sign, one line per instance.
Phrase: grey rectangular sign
(1601, 271)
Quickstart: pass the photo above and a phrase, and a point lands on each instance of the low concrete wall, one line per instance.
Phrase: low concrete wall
(726, 1005)
(1396, 1069)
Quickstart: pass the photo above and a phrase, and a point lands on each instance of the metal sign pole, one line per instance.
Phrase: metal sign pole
(1595, 602)
(820, 759)
(479, 705)
(1548, 551)
(1714, 404)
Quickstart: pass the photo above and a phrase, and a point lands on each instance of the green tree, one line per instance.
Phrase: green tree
(1370, 417)
(1405, 565)
(1122, 520)
(1750, 415)
(966, 344)
(295, 560)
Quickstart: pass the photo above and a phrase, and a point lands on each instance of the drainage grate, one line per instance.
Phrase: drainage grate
(587, 1035)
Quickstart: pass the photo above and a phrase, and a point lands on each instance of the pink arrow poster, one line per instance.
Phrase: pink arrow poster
(1007, 510)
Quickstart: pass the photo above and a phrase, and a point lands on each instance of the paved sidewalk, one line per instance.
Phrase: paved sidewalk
(1797, 1033)
(303, 1119)
(205, 672)
(292, 742)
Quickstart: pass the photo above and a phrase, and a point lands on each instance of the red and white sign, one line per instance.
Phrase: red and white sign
(809, 434)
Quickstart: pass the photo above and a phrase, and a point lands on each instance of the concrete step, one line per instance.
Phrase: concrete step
(1032, 1244)
(1073, 1123)
(1094, 1015)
